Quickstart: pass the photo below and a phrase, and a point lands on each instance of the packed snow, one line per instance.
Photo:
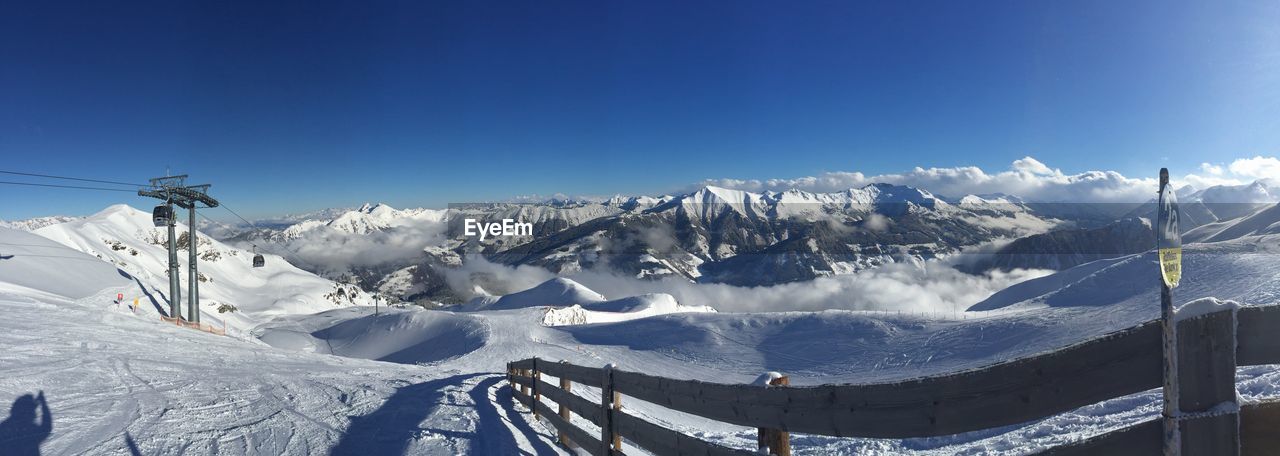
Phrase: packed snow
(345, 379)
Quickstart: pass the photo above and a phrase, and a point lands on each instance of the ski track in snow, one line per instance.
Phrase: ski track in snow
(115, 380)
(111, 377)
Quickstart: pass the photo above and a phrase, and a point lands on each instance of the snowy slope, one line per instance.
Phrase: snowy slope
(393, 335)
(117, 383)
(28, 261)
(36, 223)
(114, 378)
(126, 237)
(624, 309)
(555, 292)
(1265, 220)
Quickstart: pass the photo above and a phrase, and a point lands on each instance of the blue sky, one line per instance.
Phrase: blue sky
(295, 106)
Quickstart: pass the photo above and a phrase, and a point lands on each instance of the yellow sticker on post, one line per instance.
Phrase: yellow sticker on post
(1168, 237)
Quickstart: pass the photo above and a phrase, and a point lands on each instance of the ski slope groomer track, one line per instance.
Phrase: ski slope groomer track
(121, 383)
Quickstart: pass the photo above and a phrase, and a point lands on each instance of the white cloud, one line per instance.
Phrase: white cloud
(1027, 178)
(1213, 170)
(931, 286)
(1033, 166)
(1258, 167)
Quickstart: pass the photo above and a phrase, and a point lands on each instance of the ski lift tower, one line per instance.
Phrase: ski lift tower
(174, 191)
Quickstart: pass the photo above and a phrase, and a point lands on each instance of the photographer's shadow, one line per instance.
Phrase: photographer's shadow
(21, 433)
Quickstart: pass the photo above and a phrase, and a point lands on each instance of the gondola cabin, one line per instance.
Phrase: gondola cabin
(162, 215)
(259, 261)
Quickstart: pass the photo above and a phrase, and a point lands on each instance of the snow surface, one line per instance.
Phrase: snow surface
(116, 380)
(31, 261)
(555, 292)
(127, 238)
(631, 308)
(1202, 307)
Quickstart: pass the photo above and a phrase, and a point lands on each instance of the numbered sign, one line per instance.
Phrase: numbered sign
(1168, 238)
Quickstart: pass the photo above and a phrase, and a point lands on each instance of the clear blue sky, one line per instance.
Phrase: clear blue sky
(293, 106)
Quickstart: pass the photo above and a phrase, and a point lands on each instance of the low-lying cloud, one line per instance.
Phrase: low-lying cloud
(932, 286)
(334, 251)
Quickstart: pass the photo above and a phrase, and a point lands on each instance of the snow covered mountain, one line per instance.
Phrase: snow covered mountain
(36, 223)
(718, 235)
(744, 238)
(1264, 220)
(709, 235)
(366, 219)
(232, 291)
(1218, 203)
(1063, 249)
(112, 386)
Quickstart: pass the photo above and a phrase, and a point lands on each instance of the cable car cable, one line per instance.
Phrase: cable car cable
(50, 176)
(33, 184)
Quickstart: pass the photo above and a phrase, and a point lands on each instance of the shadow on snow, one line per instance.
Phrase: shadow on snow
(390, 428)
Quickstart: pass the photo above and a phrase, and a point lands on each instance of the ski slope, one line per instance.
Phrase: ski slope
(126, 237)
(115, 379)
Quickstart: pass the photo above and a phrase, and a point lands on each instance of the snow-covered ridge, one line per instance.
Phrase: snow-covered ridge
(624, 309)
(33, 224)
(126, 238)
(555, 292)
(367, 219)
(709, 202)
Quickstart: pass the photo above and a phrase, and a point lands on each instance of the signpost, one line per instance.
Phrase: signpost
(1169, 251)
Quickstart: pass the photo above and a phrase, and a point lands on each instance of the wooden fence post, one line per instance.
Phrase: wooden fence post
(524, 389)
(567, 386)
(536, 397)
(1209, 414)
(609, 402)
(777, 441)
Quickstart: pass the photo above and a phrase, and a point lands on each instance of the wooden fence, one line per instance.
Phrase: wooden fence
(1210, 347)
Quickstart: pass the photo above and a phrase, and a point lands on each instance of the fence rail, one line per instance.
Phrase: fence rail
(1210, 347)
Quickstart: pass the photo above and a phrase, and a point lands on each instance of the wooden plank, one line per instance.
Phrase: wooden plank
(1256, 336)
(1217, 435)
(522, 364)
(1259, 424)
(577, 374)
(1145, 438)
(583, 438)
(1206, 362)
(577, 404)
(1260, 429)
(1207, 381)
(1009, 393)
(522, 398)
(667, 442)
(522, 381)
(565, 413)
(537, 398)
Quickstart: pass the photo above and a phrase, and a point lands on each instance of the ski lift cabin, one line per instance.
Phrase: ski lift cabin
(162, 215)
(258, 260)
